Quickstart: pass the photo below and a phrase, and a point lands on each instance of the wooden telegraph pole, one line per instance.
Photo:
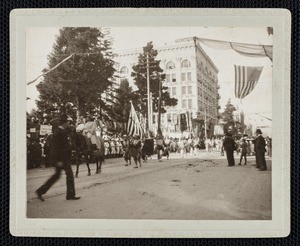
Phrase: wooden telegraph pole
(159, 107)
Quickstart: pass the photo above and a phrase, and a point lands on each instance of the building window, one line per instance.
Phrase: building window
(185, 64)
(169, 117)
(174, 91)
(175, 118)
(189, 76)
(183, 90)
(190, 103)
(170, 65)
(168, 78)
(183, 77)
(162, 118)
(186, 76)
(124, 71)
(169, 90)
(173, 77)
(190, 90)
(184, 103)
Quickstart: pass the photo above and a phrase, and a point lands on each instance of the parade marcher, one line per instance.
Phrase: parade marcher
(181, 147)
(208, 145)
(148, 147)
(113, 148)
(167, 148)
(222, 146)
(136, 150)
(126, 149)
(260, 149)
(106, 149)
(229, 146)
(243, 148)
(61, 154)
(159, 147)
(118, 147)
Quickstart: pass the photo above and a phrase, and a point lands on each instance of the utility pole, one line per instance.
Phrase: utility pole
(148, 89)
(205, 130)
(190, 120)
(159, 108)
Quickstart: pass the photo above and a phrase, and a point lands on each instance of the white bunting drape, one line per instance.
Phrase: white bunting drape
(250, 50)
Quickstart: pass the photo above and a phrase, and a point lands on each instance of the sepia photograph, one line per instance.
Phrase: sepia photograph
(149, 123)
(158, 126)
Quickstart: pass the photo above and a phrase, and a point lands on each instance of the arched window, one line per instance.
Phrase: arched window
(124, 70)
(170, 65)
(185, 64)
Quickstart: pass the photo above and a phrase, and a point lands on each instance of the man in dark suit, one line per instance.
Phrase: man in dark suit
(229, 146)
(61, 153)
(260, 149)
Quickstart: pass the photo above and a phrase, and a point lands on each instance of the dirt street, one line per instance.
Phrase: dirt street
(195, 188)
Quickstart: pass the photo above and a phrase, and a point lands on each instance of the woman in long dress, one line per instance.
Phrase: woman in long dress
(89, 131)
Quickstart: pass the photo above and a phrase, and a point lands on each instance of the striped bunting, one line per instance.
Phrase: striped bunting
(246, 79)
(134, 126)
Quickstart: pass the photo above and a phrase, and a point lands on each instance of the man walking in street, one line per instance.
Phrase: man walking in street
(260, 149)
(160, 143)
(229, 146)
(243, 149)
(61, 153)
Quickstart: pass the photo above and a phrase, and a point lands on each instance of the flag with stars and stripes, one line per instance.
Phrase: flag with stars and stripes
(134, 125)
(246, 79)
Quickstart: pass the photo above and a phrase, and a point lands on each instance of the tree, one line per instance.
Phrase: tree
(156, 74)
(81, 79)
(121, 104)
(228, 117)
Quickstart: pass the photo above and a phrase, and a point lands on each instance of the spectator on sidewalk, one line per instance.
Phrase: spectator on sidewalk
(260, 150)
(229, 146)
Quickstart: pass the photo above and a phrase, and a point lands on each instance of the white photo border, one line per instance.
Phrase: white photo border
(278, 226)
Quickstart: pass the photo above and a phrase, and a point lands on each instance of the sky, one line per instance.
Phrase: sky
(39, 42)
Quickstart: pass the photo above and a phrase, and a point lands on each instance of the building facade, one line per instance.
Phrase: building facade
(191, 78)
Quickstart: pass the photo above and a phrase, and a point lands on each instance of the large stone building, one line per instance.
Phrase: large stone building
(191, 77)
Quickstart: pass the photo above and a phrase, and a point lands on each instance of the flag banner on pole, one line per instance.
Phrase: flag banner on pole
(134, 126)
(246, 79)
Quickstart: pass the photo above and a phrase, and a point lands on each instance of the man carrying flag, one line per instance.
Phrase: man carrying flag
(134, 126)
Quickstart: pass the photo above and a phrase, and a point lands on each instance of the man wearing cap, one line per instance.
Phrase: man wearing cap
(260, 149)
(61, 153)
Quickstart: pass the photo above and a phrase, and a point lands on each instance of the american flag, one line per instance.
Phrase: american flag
(134, 126)
(246, 79)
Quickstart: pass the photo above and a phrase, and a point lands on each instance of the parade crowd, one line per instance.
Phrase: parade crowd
(69, 144)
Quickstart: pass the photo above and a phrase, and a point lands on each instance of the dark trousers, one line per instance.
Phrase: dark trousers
(230, 158)
(70, 180)
(257, 160)
(160, 150)
(261, 160)
(245, 157)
